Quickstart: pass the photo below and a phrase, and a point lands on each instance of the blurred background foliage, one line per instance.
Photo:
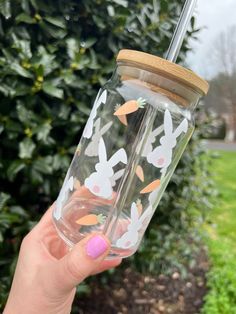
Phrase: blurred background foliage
(54, 56)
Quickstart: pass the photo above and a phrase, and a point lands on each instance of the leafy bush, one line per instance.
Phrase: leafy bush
(54, 56)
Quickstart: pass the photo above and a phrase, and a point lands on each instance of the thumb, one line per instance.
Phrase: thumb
(81, 261)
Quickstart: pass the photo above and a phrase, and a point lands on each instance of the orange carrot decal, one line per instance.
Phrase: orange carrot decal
(139, 173)
(139, 206)
(151, 187)
(78, 149)
(123, 118)
(130, 106)
(77, 184)
(90, 220)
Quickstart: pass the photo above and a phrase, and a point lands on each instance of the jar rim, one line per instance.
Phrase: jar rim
(164, 67)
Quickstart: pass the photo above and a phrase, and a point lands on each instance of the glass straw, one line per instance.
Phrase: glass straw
(171, 55)
(180, 30)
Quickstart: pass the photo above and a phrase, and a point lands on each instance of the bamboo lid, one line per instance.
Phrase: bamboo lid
(166, 68)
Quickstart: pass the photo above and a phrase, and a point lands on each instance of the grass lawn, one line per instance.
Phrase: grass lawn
(221, 298)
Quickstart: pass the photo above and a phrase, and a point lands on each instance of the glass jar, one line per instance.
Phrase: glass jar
(139, 126)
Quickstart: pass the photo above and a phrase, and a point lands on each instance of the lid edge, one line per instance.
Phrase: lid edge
(165, 67)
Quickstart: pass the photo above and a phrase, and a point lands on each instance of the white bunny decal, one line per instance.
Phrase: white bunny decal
(151, 139)
(92, 148)
(161, 156)
(88, 130)
(131, 237)
(68, 185)
(100, 183)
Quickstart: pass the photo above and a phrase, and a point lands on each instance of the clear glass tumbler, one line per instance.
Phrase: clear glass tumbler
(139, 126)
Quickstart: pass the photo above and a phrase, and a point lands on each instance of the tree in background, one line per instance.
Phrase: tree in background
(222, 94)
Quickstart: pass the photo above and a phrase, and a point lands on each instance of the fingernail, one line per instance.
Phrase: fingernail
(96, 246)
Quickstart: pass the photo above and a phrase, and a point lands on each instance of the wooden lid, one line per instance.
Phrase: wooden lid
(163, 67)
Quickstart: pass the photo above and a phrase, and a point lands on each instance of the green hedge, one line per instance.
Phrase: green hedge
(54, 56)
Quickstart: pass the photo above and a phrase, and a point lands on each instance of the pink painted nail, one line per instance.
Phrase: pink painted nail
(96, 246)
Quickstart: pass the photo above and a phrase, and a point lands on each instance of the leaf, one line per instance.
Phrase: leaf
(1, 28)
(88, 43)
(123, 3)
(36, 177)
(83, 289)
(5, 90)
(43, 131)
(72, 47)
(4, 197)
(25, 5)
(57, 21)
(19, 211)
(51, 90)
(40, 70)
(17, 68)
(25, 18)
(26, 148)
(14, 168)
(60, 162)
(47, 60)
(5, 8)
(53, 31)
(25, 116)
(43, 165)
(23, 46)
(110, 10)
(34, 4)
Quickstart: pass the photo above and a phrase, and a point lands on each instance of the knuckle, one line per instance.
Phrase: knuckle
(74, 269)
(26, 240)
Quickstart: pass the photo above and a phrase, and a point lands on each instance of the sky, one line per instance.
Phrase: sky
(215, 16)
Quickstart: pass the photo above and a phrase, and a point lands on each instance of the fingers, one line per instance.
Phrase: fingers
(80, 262)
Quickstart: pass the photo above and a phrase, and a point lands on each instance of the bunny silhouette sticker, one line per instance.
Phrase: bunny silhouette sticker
(68, 186)
(131, 237)
(148, 147)
(92, 148)
(100, 183)
(88, 130)
(161, 156)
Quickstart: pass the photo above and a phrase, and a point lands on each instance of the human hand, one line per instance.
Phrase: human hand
(47, 272)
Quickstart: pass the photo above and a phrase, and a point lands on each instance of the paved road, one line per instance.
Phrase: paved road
(220, 145)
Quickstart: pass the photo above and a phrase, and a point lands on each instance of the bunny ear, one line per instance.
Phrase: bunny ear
(116, 176)
(168, 125)
(183, 127)
(106, 127)
(134, 213)
(146, 214)
(70, 183)
(157, 131)
(119, 156)
(97, 125)
(92, 148)
(102, 151)
(101, 99)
